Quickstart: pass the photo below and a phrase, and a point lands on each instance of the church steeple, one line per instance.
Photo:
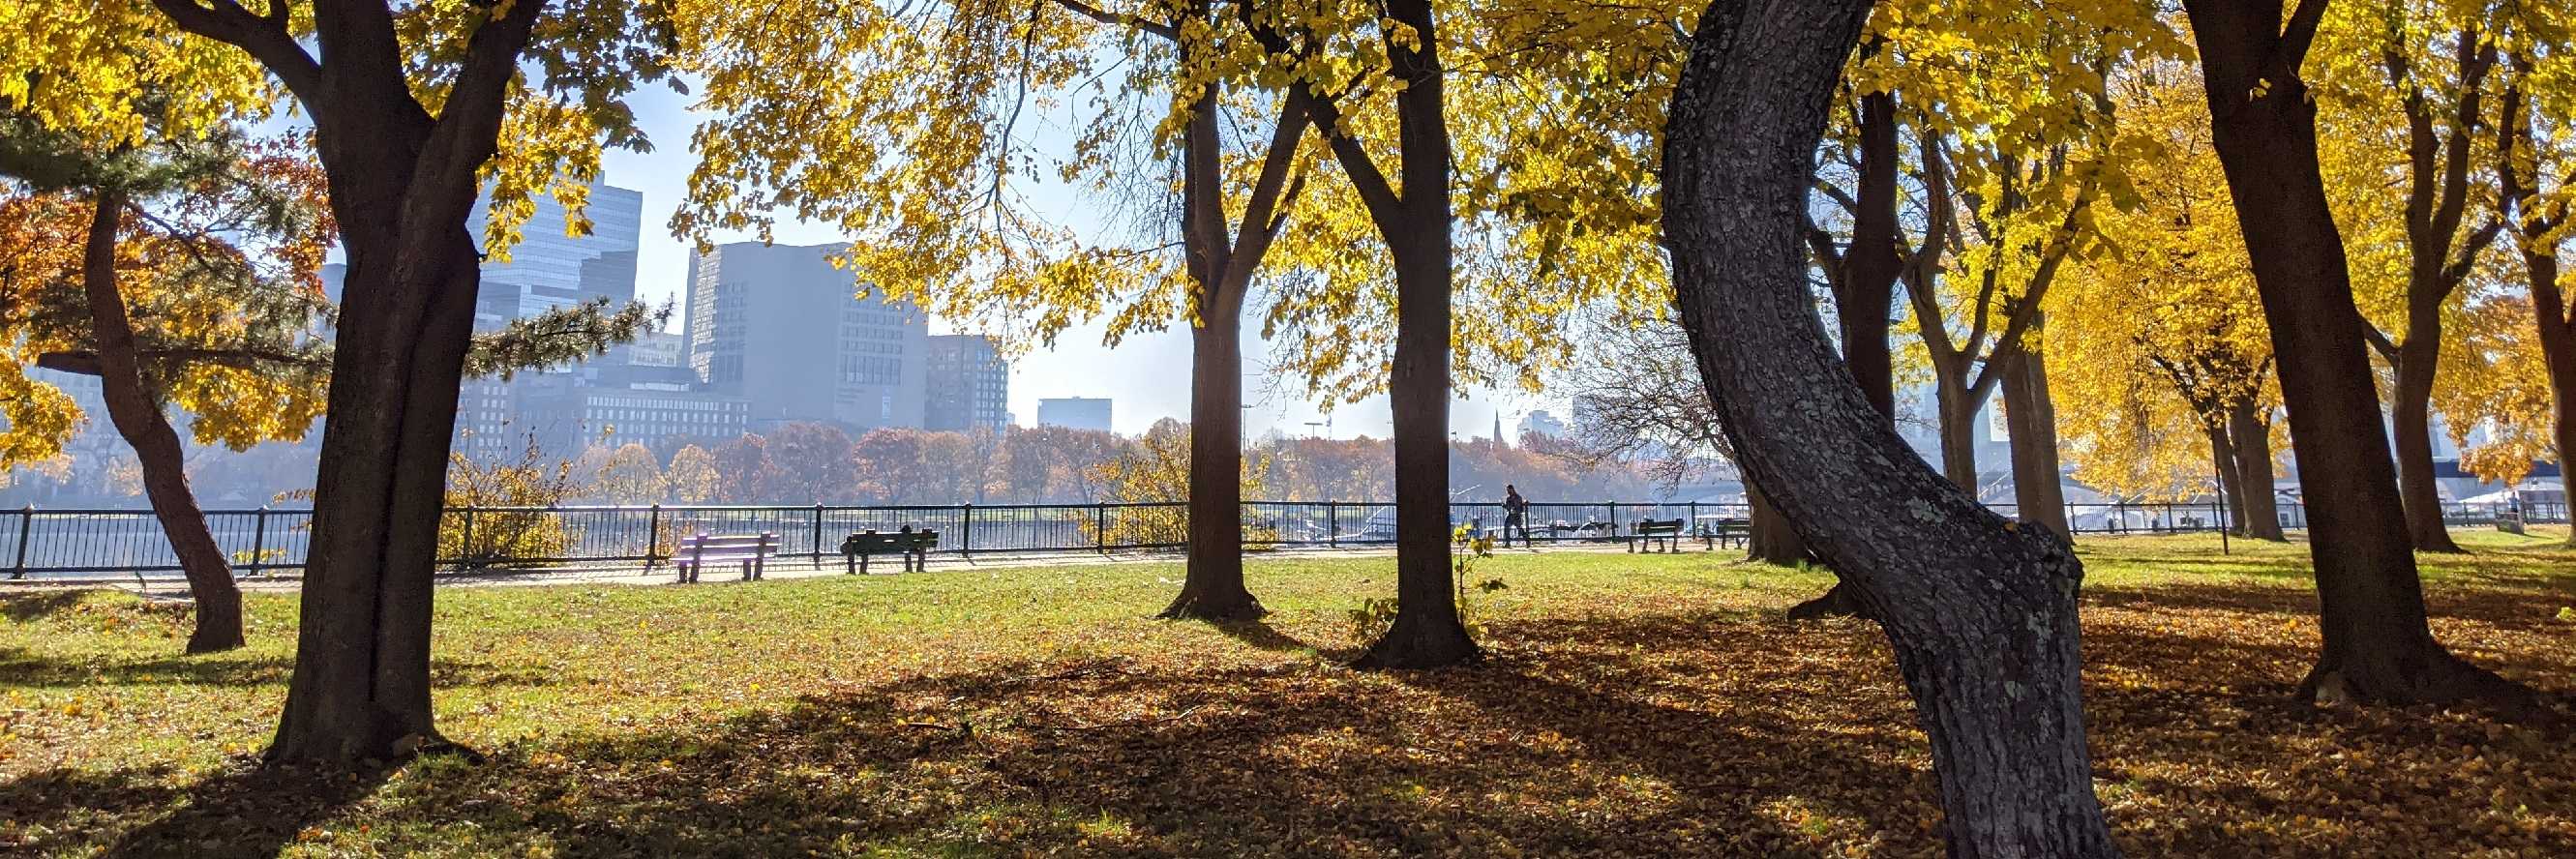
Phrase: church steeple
(1498, 429)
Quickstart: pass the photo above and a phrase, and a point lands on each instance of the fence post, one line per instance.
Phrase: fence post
(652, 539)
(26, 523)
(1332, 524)
(817, 557)
(966, 529)
(259, 539)
(1100, 527)
(1614, 517)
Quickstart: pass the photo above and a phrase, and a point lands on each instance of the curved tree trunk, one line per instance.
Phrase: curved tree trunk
(1772, 539)
(2411, 418)
(2250, 437)
(137, 415)
(2378, 646)
(1982, 616)
(1415, 218)
(2038, 498)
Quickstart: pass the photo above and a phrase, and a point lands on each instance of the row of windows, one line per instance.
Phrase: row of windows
(864, 370)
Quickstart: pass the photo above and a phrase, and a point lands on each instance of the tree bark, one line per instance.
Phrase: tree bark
(1982, 616)
(2378, 646)
(1416, 225)
(2250, 436)
(136, 413)
(1772, 539)
(2032, 417)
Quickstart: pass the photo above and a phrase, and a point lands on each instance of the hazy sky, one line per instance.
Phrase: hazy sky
(1147, 375)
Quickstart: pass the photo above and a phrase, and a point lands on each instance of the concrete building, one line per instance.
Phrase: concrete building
(784, 330)
(1091, 413)
(969, 385)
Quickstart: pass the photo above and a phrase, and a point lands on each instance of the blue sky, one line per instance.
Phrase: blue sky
(1147, 374)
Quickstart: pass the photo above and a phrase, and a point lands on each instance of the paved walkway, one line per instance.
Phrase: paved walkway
(783, 567)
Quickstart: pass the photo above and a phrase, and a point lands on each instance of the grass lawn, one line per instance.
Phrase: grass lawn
(1638, 705)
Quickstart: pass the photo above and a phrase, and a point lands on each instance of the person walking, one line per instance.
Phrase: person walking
(1515, 515)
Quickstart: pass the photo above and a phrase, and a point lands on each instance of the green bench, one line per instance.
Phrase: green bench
(914, 546)
(1649, 531)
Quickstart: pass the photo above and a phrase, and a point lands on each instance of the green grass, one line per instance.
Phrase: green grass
(1633, 704)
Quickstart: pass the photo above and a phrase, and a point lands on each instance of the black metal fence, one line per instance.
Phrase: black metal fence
(77, 543)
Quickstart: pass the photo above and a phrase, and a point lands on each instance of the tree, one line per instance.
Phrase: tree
(2378, 645)
(2389, 75)
(2535, 179)
(630, 476)
(1982, 612)
(216, 241)
(811, 464)
(1412, 215)
(743, 471)
(407, 108)
(692, 476)
(894, 465)
(937, 108)
(2163, 331)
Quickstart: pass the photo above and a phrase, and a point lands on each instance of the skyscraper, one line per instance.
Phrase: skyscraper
(546, 270)
(785, 330)
(969, 385)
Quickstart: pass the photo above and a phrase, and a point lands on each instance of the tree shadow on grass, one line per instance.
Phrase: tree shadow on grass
(32, 606)
(245, 810)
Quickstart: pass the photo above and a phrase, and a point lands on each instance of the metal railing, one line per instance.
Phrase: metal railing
(92, 542)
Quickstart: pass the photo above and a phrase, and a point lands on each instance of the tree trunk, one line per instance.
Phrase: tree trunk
(2222, 462)
(1427, 632)
(2378, 646)
(2250, 436)
(2032, 416)
(1772, 539)
(1982, 616)
(402, 184)
(2411, 413)
(1872, 265)
(2558, 351)
(1958, 420)
(1213, 587)
(137, 415)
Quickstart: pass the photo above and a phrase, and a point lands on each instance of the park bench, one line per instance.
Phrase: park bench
(2509, 521)
(914, 546)
(752, 551)
(1651, 530)
(1727, 532)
